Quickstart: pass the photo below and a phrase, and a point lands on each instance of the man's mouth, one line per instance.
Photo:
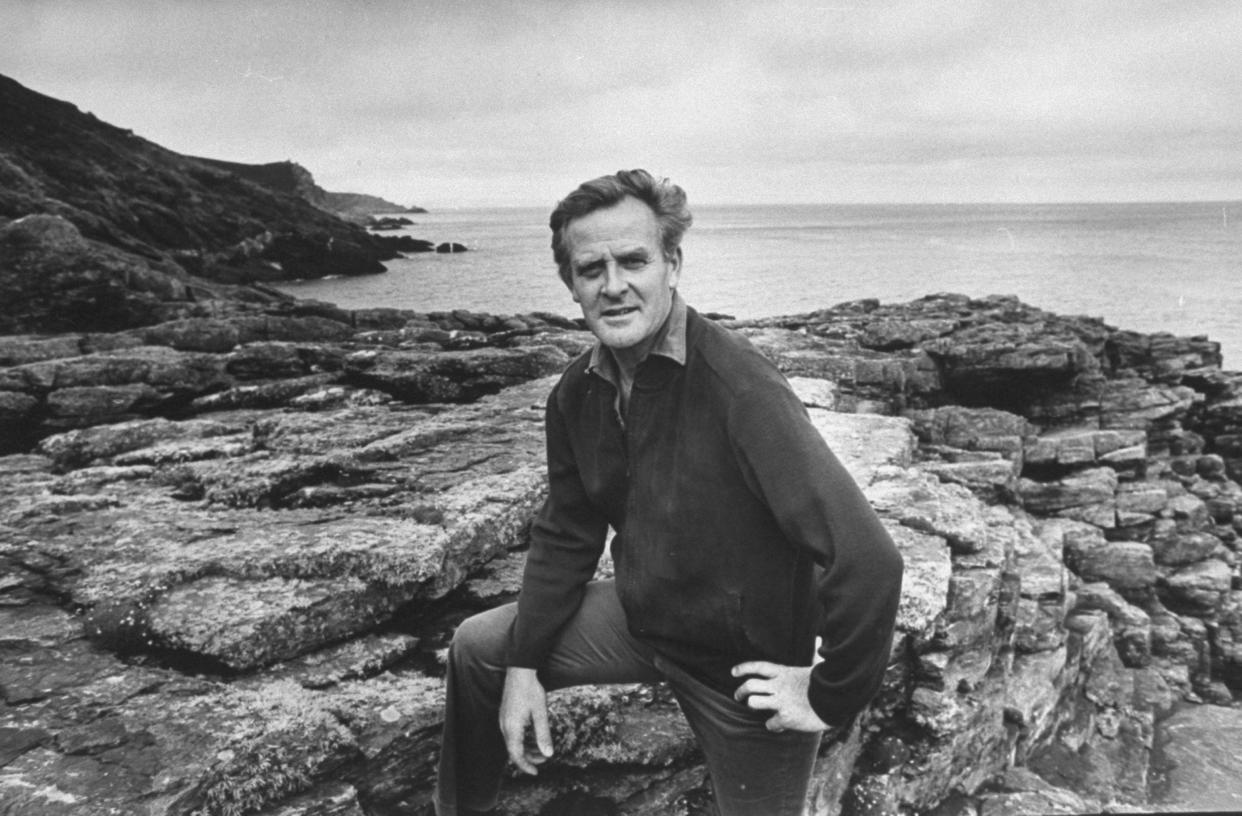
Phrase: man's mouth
(618, 311)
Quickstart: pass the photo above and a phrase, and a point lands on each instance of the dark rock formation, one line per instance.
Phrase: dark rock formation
(388, 222)
(404, 243)
(54, 279)
(121, 190)
(450, 247)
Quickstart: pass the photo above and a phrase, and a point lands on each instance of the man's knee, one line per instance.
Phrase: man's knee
(482, 640)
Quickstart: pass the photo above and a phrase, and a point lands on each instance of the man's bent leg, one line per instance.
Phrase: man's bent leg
(754, 771)
(594, 647)
(472, 752)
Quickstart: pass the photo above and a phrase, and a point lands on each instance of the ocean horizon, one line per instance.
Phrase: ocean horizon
(1151, 267)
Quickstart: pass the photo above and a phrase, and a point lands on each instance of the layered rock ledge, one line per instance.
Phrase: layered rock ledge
(235, 542)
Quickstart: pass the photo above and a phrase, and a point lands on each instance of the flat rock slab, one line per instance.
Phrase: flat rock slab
(865, 443)
(1200, 746)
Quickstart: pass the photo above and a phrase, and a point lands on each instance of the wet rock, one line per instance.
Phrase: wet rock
(925, 593)
(870, 447)
(1198, 747)
(243, 624)
(451, 376)
(21, 349)
(267, 360)
(992, 480)
(96, 405)
(1034, 803)
(194, 334)
(335, 799)
(1127, 566)
(1087, 495)
(890, 335)
(1140, 502)
(52, 279)
(80, 447)
(1181, 549)
(974, 429)
(252, 395)
(1080, 447)
(1131, 625)
(1134, 404)
(358, 659)
(1200, 587)
(923, 503)
(1229, 639)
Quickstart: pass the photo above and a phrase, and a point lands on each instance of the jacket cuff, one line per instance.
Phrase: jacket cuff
(835, 708)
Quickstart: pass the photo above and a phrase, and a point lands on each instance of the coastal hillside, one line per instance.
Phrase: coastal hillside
(136, 196)
(294, 179)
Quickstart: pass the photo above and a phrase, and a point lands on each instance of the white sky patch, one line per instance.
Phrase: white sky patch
(450, 104)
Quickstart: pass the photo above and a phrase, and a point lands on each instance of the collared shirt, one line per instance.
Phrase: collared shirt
(670, 342)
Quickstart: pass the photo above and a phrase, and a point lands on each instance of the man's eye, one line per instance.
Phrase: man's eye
(634, 263)
(588, 272)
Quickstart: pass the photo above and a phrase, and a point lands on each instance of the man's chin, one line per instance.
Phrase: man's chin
(615, 338)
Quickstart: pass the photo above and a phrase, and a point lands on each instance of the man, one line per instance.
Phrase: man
(679, 435)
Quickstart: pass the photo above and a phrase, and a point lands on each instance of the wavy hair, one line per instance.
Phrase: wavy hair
(666, 200)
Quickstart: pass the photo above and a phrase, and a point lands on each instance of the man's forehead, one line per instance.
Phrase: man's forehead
(629, 223)
(587, 250)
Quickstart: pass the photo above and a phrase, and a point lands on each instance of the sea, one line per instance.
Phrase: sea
(1151, 267)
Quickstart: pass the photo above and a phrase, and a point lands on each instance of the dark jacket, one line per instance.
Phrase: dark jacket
(724, 498)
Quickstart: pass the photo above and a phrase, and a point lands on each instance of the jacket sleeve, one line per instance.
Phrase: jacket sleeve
(820, 508)
(567, 538)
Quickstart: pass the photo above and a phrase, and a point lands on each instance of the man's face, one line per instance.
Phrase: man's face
(620, 277)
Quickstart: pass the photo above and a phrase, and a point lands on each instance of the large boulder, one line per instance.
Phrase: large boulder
(52, 279)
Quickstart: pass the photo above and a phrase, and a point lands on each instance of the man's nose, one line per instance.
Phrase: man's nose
(614, 281)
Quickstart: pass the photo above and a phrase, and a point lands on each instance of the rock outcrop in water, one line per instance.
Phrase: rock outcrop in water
(236, 541)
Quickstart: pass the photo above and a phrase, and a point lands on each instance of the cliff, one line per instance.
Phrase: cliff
(235, 545)
(293, 179)
(172, 210)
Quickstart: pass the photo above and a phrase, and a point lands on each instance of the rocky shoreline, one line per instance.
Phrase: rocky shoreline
(236, 541)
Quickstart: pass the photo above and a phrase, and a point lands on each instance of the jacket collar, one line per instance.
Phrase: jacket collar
(670, 343)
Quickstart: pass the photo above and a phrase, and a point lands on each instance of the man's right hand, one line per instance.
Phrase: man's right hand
(525, 703)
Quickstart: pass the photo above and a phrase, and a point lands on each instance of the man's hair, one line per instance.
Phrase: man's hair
(666, 200)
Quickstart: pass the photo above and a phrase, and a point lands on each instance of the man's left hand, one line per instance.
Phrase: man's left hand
(782, 689)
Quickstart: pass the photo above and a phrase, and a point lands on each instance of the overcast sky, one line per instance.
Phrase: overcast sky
(513, 103)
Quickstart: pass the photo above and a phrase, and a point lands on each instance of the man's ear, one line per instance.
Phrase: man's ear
(674, 274)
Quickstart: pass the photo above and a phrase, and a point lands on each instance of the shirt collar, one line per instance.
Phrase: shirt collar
(670, 342)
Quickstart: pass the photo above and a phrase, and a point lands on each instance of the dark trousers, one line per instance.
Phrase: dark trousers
(754, 772)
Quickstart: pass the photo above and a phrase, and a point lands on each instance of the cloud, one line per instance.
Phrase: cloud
(458, 102)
